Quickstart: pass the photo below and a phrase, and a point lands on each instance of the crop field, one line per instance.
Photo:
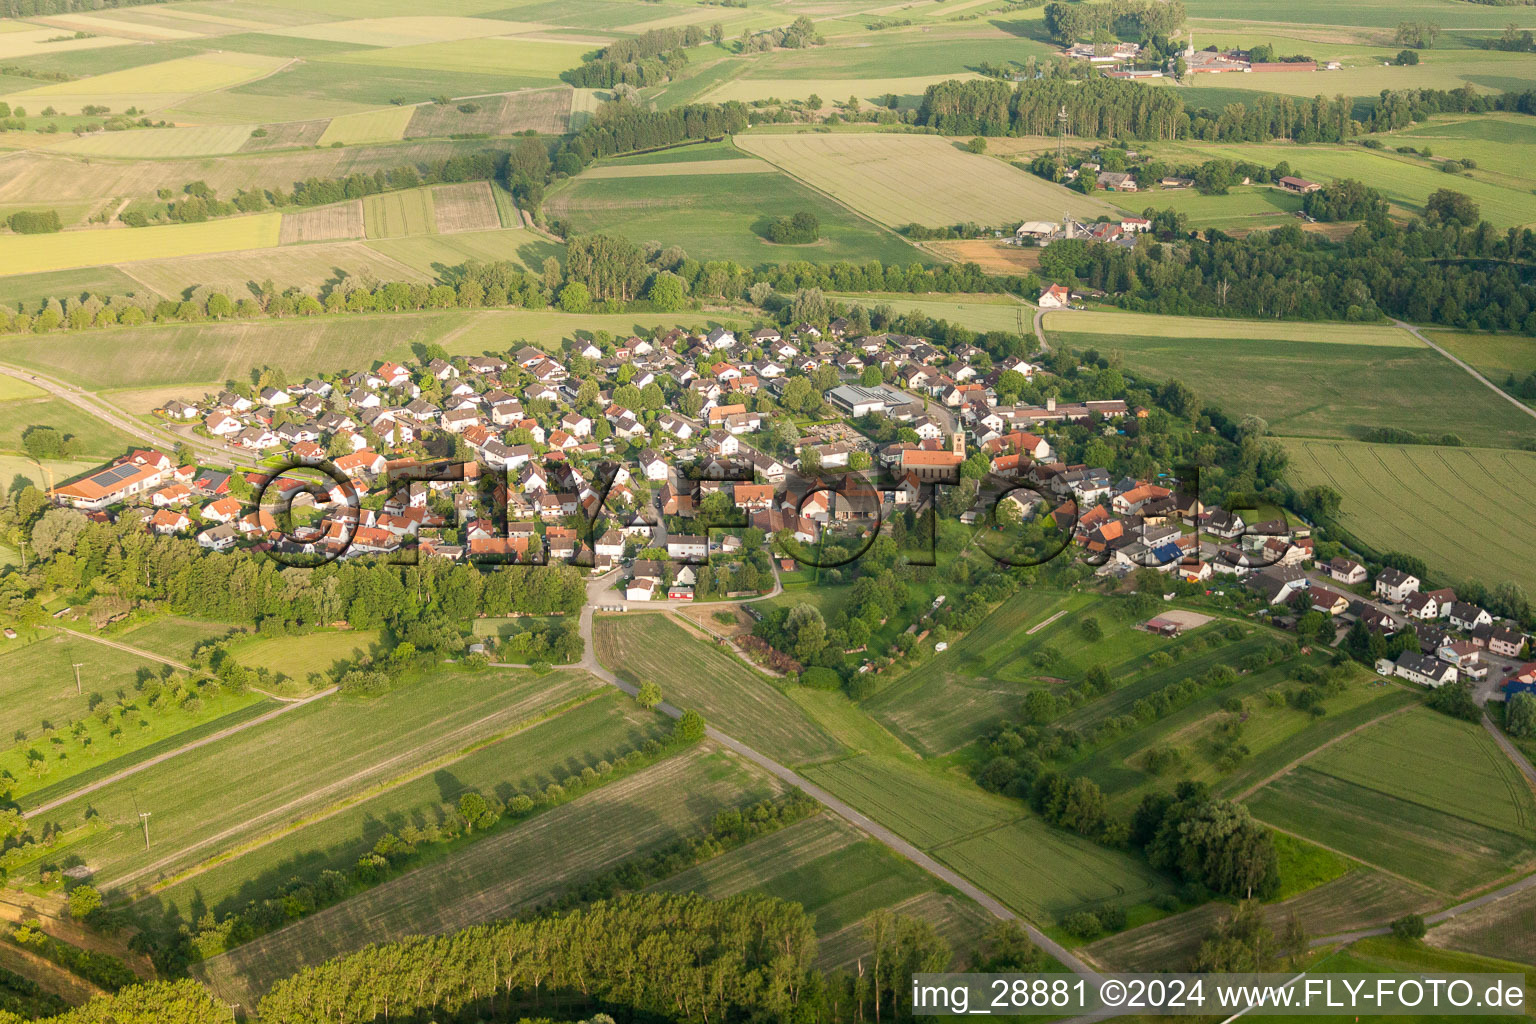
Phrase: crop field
(297, 656)
(1505, 929)
(694, 674)
(514, 61)
(605, 727)
(30, 290)
(324, 223)
(173, 636)
(1242, 208)
(393, 214)
(32, 40)
(1496, 356)
(153, 86)
(982, 312)
(922, 804)
(430, 255)
(1405, 181)
(469, 207)
(384, 125)
(546, 111)
(1461, 509)
(93, 437)
(406, 30)
(286, 136)
(908, 89)
(890, 179)
(1318, 387)
(333, 751)
(993, 257)
(723, 216)
(496, 876)
(30, 253)
(240, 274)
(151, 143)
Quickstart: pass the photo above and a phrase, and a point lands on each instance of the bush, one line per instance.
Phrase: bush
(1082, 924)
(1409, 926)
(35, 222)
(800, 229)
(820, 679)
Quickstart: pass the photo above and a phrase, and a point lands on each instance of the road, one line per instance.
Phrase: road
(1513, 752)
(859, 820)
(1490, 385)
(1045, 346)
(207, 453)
(140, 652)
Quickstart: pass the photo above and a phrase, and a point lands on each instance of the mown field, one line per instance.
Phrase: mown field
(1496, 356)
(695, 674)
(889, 178)
(1396, 796)
(331, 751)
(1505, 929)
(297, 656)
(173, 636)
(393, 214)
(93, 438)
(1308, 380)
(374, 126)
(491, 879)
(1463, 510)
(721, 215)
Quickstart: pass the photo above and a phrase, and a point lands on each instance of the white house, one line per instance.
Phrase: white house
(1395, 585)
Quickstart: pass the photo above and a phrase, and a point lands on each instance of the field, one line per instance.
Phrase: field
(374, 126)
(240, 274)
(490, 878)
(1496, 356)
(1309, 380)
(173, 636)
(1395, 796)
(1460, 509)
(324, 223)
(1498, 142)
(715, 215)
(393, 214)
(30, 290)
(890, 177)
(544, 111)
(29, 253)
(297, 656)
(993, 257)
(978, 312)
(210, 353)
(516, 62)
(92, 437)
(430, 255)
(38, 681)
(1506, 929)
(1243, 208)
(986, 838)
(725, 691)
(152, 86)
(332, 752)
(167, 142)
(470, 207)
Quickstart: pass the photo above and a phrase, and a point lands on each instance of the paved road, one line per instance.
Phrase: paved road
(874, 829)
(1511, 399)
(161, 437)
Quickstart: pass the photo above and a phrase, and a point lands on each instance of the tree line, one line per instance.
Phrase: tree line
(1070, 22)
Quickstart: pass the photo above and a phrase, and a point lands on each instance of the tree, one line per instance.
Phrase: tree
(1457, 700)
(574, 298)
(1420, 35)
(1447, 206)
(668, 293)
(1406, 58)
(978, 145)
(1409, 927)
(1520, 715)
(649, 695)
(690, 727)
(84, 900)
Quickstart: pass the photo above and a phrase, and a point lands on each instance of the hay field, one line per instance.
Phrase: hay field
(286, 136)
(467, 207)
(30, 41)
(324, 223)
(428, 255)
(385, 125)
(1465, 511)
(890, 178)
(148, 143)
(406, 31)
(546, 111)
(154, 85)
(742, 165)
(490, 879)
(1115, 323)
(393, 214)
(508, 57)
(239, 274)
(30, 253)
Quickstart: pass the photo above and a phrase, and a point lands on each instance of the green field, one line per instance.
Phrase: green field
(694, 674)
(490, 879)
(297, 656)
(978, 312)
(1424, 796)
(1495, 356)
(93, 438)
(169, 142)
(374, 126)
(1241, 209)
(1498, 142)
(332, 751)
(1462, 510)
(723, 216)
(1336, 383)
(173, 636)
(31, 290)
(393, 214)
(889, 178)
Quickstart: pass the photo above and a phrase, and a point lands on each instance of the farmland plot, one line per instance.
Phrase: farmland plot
(291, 135)
(373, 126)
(890, 179)
(29, 253)
(546, 111)
(148, 143)
(393, 214)
(324, 223)
(467, 207)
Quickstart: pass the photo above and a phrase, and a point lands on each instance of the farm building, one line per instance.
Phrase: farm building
(1300, 186)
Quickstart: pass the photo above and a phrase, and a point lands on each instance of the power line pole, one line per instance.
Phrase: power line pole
(144, 817)
(77, 665)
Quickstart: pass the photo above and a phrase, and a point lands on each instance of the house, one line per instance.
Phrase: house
(221, 423)
(218, 538)
(1055, 297)
(610, 545)
(1300, 186)
(110, 486)
(364, 463)
(1329, 602)
(688, 547)
(1424, 669)
(168, 521)
(1467, 617)
(640, 590)
(1346, 571)
(1395, 585)
(178, 410)
(719, 338)
(1506, 642)
(1279, 584)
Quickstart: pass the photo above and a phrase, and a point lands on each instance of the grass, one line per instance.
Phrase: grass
(694, 674)
(212, 353)
(385, 125)
(1495, 356)
(1500, 929)
(1498, 142)
(154, 85)
(27, 254)
(92, 437)
(981, 312)
(1337, 384)
(393, 214)
(309, 266)
(516, 62)
(1304, 865)
(722, 216)
(320, 81)
(297, 656)
(173, 636)
(889, 178)
(489, 879)
(16, 469)
(332, 752)
(1242, 208)
(1460, 509)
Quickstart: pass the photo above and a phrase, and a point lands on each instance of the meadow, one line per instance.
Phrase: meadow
(721, 215)
(1244, 208)
(297, 656)
(694, 674)
(1496, 356)
(152, 86)
(240, 274)
(93, 438)
(173, 636)
(430, 255)
(211, 140)
(491, 878)
(1330, 382)
(31, 290)
(25, 254)
(978, 312)
(889, 178)
(1395, 795)
(332, 752)
(1498, 142)
(545, 111)
(1463, 510)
